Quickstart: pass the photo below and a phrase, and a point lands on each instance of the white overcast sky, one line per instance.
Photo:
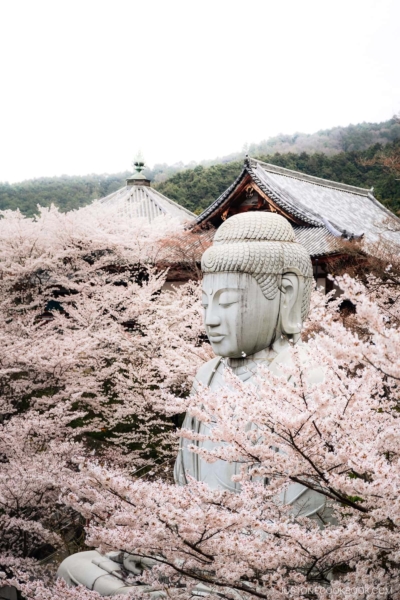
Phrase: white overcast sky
(85, 84)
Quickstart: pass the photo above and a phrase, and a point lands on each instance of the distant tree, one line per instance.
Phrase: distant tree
(388, 158)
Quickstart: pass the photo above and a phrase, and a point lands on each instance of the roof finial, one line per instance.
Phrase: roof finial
(138, 163)
(138, 178)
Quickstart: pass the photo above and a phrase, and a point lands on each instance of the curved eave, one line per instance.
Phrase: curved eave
(214, 208)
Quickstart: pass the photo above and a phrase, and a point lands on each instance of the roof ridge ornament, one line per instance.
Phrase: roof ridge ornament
(139, 163)
(138, 178)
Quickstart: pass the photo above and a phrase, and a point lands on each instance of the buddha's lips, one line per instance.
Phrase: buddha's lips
(216, 337)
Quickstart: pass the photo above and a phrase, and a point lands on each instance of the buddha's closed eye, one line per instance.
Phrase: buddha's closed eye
(224, 298)
(228, 298)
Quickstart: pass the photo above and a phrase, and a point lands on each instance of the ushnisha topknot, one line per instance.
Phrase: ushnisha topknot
(254, 227)
(263, 245)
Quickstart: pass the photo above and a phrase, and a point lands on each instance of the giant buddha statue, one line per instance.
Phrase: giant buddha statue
(256, 294)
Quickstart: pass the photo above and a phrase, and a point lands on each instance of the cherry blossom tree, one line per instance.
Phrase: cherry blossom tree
(90, 344)
(339, 438)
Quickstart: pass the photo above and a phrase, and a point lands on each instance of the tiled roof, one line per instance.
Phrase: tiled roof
(317, 240)
(143, 201)
(348, 208)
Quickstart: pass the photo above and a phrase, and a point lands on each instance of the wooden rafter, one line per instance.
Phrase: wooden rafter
(275, 208)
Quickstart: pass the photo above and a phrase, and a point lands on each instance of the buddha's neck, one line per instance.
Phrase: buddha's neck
(268, 354)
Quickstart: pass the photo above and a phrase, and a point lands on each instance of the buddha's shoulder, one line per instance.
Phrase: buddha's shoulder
(314, 373)
(205, 372)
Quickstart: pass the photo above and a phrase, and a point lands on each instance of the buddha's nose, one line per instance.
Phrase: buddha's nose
(212, 319)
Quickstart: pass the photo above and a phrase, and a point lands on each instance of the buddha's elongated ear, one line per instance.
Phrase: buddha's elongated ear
(290, 304)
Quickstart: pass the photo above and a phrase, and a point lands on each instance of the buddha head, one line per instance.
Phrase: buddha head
(256, 286)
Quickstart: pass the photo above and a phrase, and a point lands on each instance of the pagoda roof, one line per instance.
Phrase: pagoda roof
(337, 209)
(139, 200)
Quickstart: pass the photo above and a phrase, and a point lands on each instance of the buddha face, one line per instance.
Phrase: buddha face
(239, 319)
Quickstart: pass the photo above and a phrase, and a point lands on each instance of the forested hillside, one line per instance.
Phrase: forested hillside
(67, 192)
(353, 155)
(353, 138)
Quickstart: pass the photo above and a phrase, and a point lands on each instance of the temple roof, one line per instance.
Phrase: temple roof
(337, 209)
(138, 199)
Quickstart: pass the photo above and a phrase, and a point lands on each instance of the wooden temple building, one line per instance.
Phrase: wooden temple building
(325, 215)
